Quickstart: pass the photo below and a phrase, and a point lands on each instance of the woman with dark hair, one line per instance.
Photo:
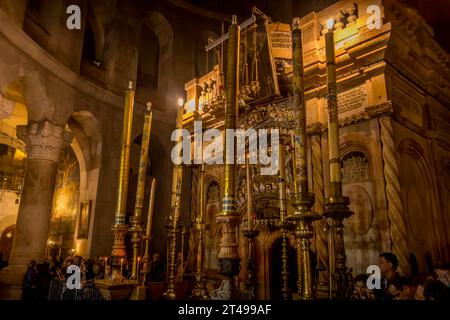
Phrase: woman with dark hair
(360, 292)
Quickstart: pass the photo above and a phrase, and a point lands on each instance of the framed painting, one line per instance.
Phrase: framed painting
(83, 222)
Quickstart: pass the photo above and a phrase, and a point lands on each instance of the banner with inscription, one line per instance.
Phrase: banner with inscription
(280, 40)
(352, 99)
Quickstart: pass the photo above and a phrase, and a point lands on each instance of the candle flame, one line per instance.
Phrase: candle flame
(330, 23)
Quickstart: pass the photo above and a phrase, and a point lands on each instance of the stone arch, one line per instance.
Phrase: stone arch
(87, 146)
(161, 170)
(29, 86)
(88, 138)
(94, 20)
(357, 142)
(414, 150)
(163, 31)
(6, 239)
(270, 239)
(213, 177)
(201, 42)
(418, 199)
(12, 114)
(148, 64)
(263, 252)
(363, 231)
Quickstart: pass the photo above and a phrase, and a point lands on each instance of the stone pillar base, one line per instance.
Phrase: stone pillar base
(11, 283)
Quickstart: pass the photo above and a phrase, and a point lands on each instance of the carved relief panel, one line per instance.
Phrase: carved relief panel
(361, 235)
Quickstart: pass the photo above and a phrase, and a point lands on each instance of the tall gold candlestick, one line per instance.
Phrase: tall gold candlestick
(294, 164)
(303, 216)
(183, 235)
(336, 205)
(174, 218)
(120, 228)
(228, 249)
(146, 261)
(333, 127)
(250, 234)
(199, 290)
(136, 221)
(249, 194)
(283, 225)
(282, 183)
(151, 205)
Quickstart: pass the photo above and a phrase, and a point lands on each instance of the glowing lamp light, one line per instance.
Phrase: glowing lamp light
(330, 23)
(180, 102)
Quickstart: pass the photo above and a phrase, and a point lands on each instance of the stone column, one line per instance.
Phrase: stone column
(319, 206)
(397, 228)
(44, 141)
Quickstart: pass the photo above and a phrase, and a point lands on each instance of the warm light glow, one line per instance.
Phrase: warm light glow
(330, 23)
(180, 102)
(19, 155)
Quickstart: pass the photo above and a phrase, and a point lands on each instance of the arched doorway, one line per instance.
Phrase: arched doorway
(212, 229)
(276, 281)
(6, 241)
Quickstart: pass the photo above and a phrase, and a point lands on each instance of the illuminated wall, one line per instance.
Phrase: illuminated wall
(65, 203)
(11, 176)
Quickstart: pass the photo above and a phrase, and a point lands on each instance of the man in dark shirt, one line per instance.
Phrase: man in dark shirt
(388, 264)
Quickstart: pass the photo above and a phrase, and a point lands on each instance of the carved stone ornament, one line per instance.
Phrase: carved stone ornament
(44, 140)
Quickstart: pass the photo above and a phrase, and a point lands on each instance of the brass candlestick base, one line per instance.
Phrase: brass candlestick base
(229, 261)
(303, 218)
(118, 253)
(251, 282)
(228, 254)
(337, 209)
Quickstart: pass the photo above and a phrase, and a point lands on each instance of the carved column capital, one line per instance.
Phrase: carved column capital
(44, 140)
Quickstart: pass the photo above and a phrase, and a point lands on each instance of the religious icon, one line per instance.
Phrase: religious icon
(83, 225)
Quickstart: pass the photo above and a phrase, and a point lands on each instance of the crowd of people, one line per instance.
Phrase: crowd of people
(38, 278)
(393, 286)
